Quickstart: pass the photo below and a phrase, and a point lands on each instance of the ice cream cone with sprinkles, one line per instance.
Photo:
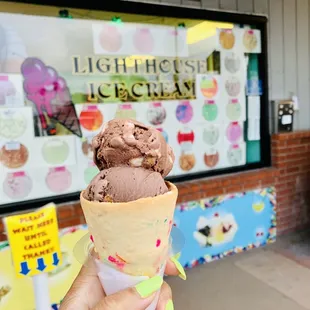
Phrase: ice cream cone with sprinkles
(128, 206)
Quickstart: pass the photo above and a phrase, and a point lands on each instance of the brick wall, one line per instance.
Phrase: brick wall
(290, 174)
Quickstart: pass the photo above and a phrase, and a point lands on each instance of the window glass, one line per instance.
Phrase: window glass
(63, 74)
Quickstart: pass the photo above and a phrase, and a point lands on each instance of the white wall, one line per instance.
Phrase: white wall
(289, 41)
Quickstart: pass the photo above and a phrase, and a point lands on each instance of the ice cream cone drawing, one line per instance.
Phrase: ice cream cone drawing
(50, 94)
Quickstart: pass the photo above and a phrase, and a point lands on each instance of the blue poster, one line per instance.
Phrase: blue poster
(222, 226)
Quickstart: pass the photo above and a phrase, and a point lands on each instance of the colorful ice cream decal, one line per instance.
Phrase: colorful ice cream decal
(164, 133)
(233, 86)
(234, 132)
(211, 158)
(58, 179)
(211, 134)
(17, 185)
(209, 87)
(55, 151)
(233, 110)
(227, 39)
(13, 155)
(144, 41)
(12, 123)
(91, 118)
(110, 38)
(125, 111)
(187, 161)
(87, 147)
(215, 231)
(90, 172)
(210, 110)
(50, 94)
(232, 63)
(235, 155)
(250, 40)
(186, 138)
(184, 112)
(156, 113)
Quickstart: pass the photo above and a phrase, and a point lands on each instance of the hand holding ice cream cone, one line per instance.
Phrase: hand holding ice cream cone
(128, 206)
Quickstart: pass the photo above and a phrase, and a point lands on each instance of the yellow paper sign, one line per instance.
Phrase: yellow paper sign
(34, 241)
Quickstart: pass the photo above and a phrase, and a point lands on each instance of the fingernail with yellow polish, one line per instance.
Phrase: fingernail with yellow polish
(169, 305)
(180, 268)
(150, 286)
(177, 256)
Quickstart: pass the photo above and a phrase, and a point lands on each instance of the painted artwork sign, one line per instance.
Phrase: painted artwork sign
(214, 228)
(34, 241)
(17, 293)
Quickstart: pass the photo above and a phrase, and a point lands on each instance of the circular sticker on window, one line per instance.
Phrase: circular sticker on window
(234, 132)
(184, 112)
(17, 185)
(110, 38)
(234, 155)
(250, 40)
(13, 155)
(91, 118)
(144, 41)
(211, 135)
(211, 158)
(90, 173)
(232, 63)
(209, 87)
(12, 124)
(187, 161)
(210, 111)
(156, 113)
(233, 110)
(125, 111)
(55, 151)
(164, 133)
(227, 39)
(233, 86)
(59, 179)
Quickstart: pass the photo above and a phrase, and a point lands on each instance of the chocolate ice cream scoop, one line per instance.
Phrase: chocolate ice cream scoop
(132, 144)
(124, 184)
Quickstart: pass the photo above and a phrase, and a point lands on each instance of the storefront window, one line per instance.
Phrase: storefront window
(64, 73)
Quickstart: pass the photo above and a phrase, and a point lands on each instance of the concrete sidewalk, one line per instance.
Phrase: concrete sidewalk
(258, 280)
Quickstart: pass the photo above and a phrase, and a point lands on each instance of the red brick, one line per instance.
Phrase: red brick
(3, 237)
(234, 189)
(292, 169)
(208, 185)
(293, 142)
(1, 226)
(70, 222)
(78, 210)
(64, 212)
(195, 186)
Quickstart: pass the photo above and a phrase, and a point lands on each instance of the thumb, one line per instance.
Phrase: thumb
(137, 298)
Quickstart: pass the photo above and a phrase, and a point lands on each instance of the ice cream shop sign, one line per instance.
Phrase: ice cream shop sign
(163, 86)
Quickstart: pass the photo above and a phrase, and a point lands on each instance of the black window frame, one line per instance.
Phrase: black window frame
(161, 10)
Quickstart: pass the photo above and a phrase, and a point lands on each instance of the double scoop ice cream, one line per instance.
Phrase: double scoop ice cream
(128, 206)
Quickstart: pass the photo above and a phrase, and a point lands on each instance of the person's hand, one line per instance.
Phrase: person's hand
(86, 292)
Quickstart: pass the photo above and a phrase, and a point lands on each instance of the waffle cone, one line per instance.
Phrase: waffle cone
(132, 237)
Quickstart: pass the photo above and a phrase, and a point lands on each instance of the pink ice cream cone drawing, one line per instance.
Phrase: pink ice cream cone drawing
(50, 94)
